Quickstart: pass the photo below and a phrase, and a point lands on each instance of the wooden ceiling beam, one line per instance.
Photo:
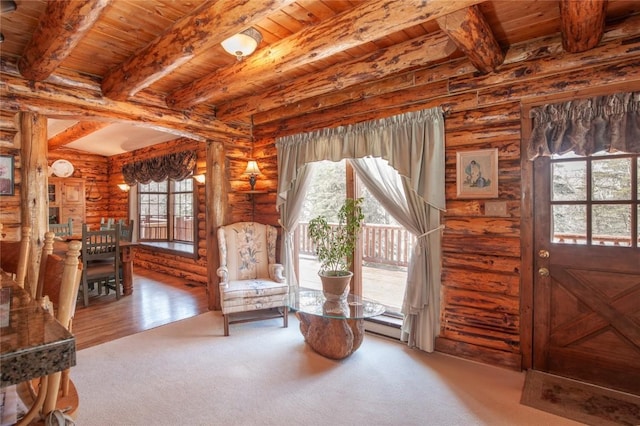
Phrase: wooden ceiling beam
(210, 24)
(367, 22)
(471, 32)
(62, 25)
(582, 24)
(74, 133)
(382, 63)
(52, 100)
(522, 61)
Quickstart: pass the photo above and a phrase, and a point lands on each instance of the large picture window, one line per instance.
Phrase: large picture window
(166, 214)
(385, 245)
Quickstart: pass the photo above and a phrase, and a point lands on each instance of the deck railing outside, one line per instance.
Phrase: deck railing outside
(155, 228)
(381, 244)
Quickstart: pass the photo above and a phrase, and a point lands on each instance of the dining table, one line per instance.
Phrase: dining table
(32, 342)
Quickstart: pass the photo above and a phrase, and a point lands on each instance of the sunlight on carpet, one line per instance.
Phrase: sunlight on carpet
(189, 373)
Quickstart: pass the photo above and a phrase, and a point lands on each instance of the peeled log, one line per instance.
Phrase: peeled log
(582, 24)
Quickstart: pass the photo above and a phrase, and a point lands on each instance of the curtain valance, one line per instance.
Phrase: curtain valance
(407, 141)
(586, 126)
(177, 166)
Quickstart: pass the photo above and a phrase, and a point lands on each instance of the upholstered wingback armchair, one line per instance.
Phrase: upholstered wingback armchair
(250, 278)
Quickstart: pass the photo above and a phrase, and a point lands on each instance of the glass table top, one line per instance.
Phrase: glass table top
(313, 302)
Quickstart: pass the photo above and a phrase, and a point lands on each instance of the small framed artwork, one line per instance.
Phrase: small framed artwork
(6, 175)
(477, 173)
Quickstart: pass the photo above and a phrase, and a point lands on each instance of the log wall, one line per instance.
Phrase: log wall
(486, 282)
(90, 167)
(485, 271)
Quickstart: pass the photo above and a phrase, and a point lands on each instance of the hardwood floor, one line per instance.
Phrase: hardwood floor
(157, 300)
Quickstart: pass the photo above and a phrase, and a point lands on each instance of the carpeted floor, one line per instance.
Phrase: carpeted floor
(582, 402)
(188, 373)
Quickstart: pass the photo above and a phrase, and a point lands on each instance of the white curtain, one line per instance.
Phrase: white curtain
(289, 214)
(413, 144)
(421, 303)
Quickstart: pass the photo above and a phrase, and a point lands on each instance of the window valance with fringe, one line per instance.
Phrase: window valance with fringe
(177, 166)
(586, 126)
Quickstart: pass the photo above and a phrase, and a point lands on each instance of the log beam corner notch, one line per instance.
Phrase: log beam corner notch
(470, 31)
(582, 24)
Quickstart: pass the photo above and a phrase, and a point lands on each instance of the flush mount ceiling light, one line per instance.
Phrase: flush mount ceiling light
(242, 44)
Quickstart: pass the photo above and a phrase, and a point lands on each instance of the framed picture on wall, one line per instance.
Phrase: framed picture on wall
(6, 175)
(477, 173)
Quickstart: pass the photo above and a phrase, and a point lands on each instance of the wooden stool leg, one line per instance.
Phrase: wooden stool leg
(65, 382)
(37, 404)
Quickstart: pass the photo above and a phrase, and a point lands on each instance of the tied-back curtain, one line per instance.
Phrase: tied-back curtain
(421, 302)
(413, 144)
(586, 126)
(289, 215)
(177, 166)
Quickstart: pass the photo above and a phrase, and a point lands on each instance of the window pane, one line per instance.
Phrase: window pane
(183, 214)
(569, 181)
(611, 225)
(183, 185)
(611, 179)
(569, 224)
(325, 195)
(326, 192)
(386, 248)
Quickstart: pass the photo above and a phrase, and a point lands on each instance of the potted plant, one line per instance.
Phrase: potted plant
(334, 247)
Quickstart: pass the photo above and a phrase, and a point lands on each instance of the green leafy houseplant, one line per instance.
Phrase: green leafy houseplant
(335, 245)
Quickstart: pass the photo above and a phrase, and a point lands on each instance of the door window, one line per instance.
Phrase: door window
(594, 200)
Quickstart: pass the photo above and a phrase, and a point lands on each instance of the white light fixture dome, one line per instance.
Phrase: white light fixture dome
(242, 44)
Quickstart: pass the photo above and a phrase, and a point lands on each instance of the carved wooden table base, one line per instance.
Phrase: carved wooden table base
(331, 337)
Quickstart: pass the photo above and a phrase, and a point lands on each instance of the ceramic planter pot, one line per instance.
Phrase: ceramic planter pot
(335, 287)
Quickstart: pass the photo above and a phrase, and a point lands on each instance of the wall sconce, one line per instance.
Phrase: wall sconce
(253, 171)
(199, 178)
(124, 187)
(242, 44)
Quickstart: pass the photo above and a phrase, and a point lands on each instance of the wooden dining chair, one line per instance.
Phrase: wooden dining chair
(62, 229)
(14, 257)
(58, 283)
(126, 230)
(100, 260)
(107, 223)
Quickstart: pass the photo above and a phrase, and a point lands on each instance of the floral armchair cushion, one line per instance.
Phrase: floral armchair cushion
(247, 251)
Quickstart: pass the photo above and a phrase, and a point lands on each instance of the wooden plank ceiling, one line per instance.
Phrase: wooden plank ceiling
(160, 61)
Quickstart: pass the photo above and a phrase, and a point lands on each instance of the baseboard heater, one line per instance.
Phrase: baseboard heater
(384, 326)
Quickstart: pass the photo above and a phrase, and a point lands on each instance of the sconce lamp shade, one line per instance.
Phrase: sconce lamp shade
(199, 178)
(252, 168)
(242, 44)
(253, 171)
(124, 187)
